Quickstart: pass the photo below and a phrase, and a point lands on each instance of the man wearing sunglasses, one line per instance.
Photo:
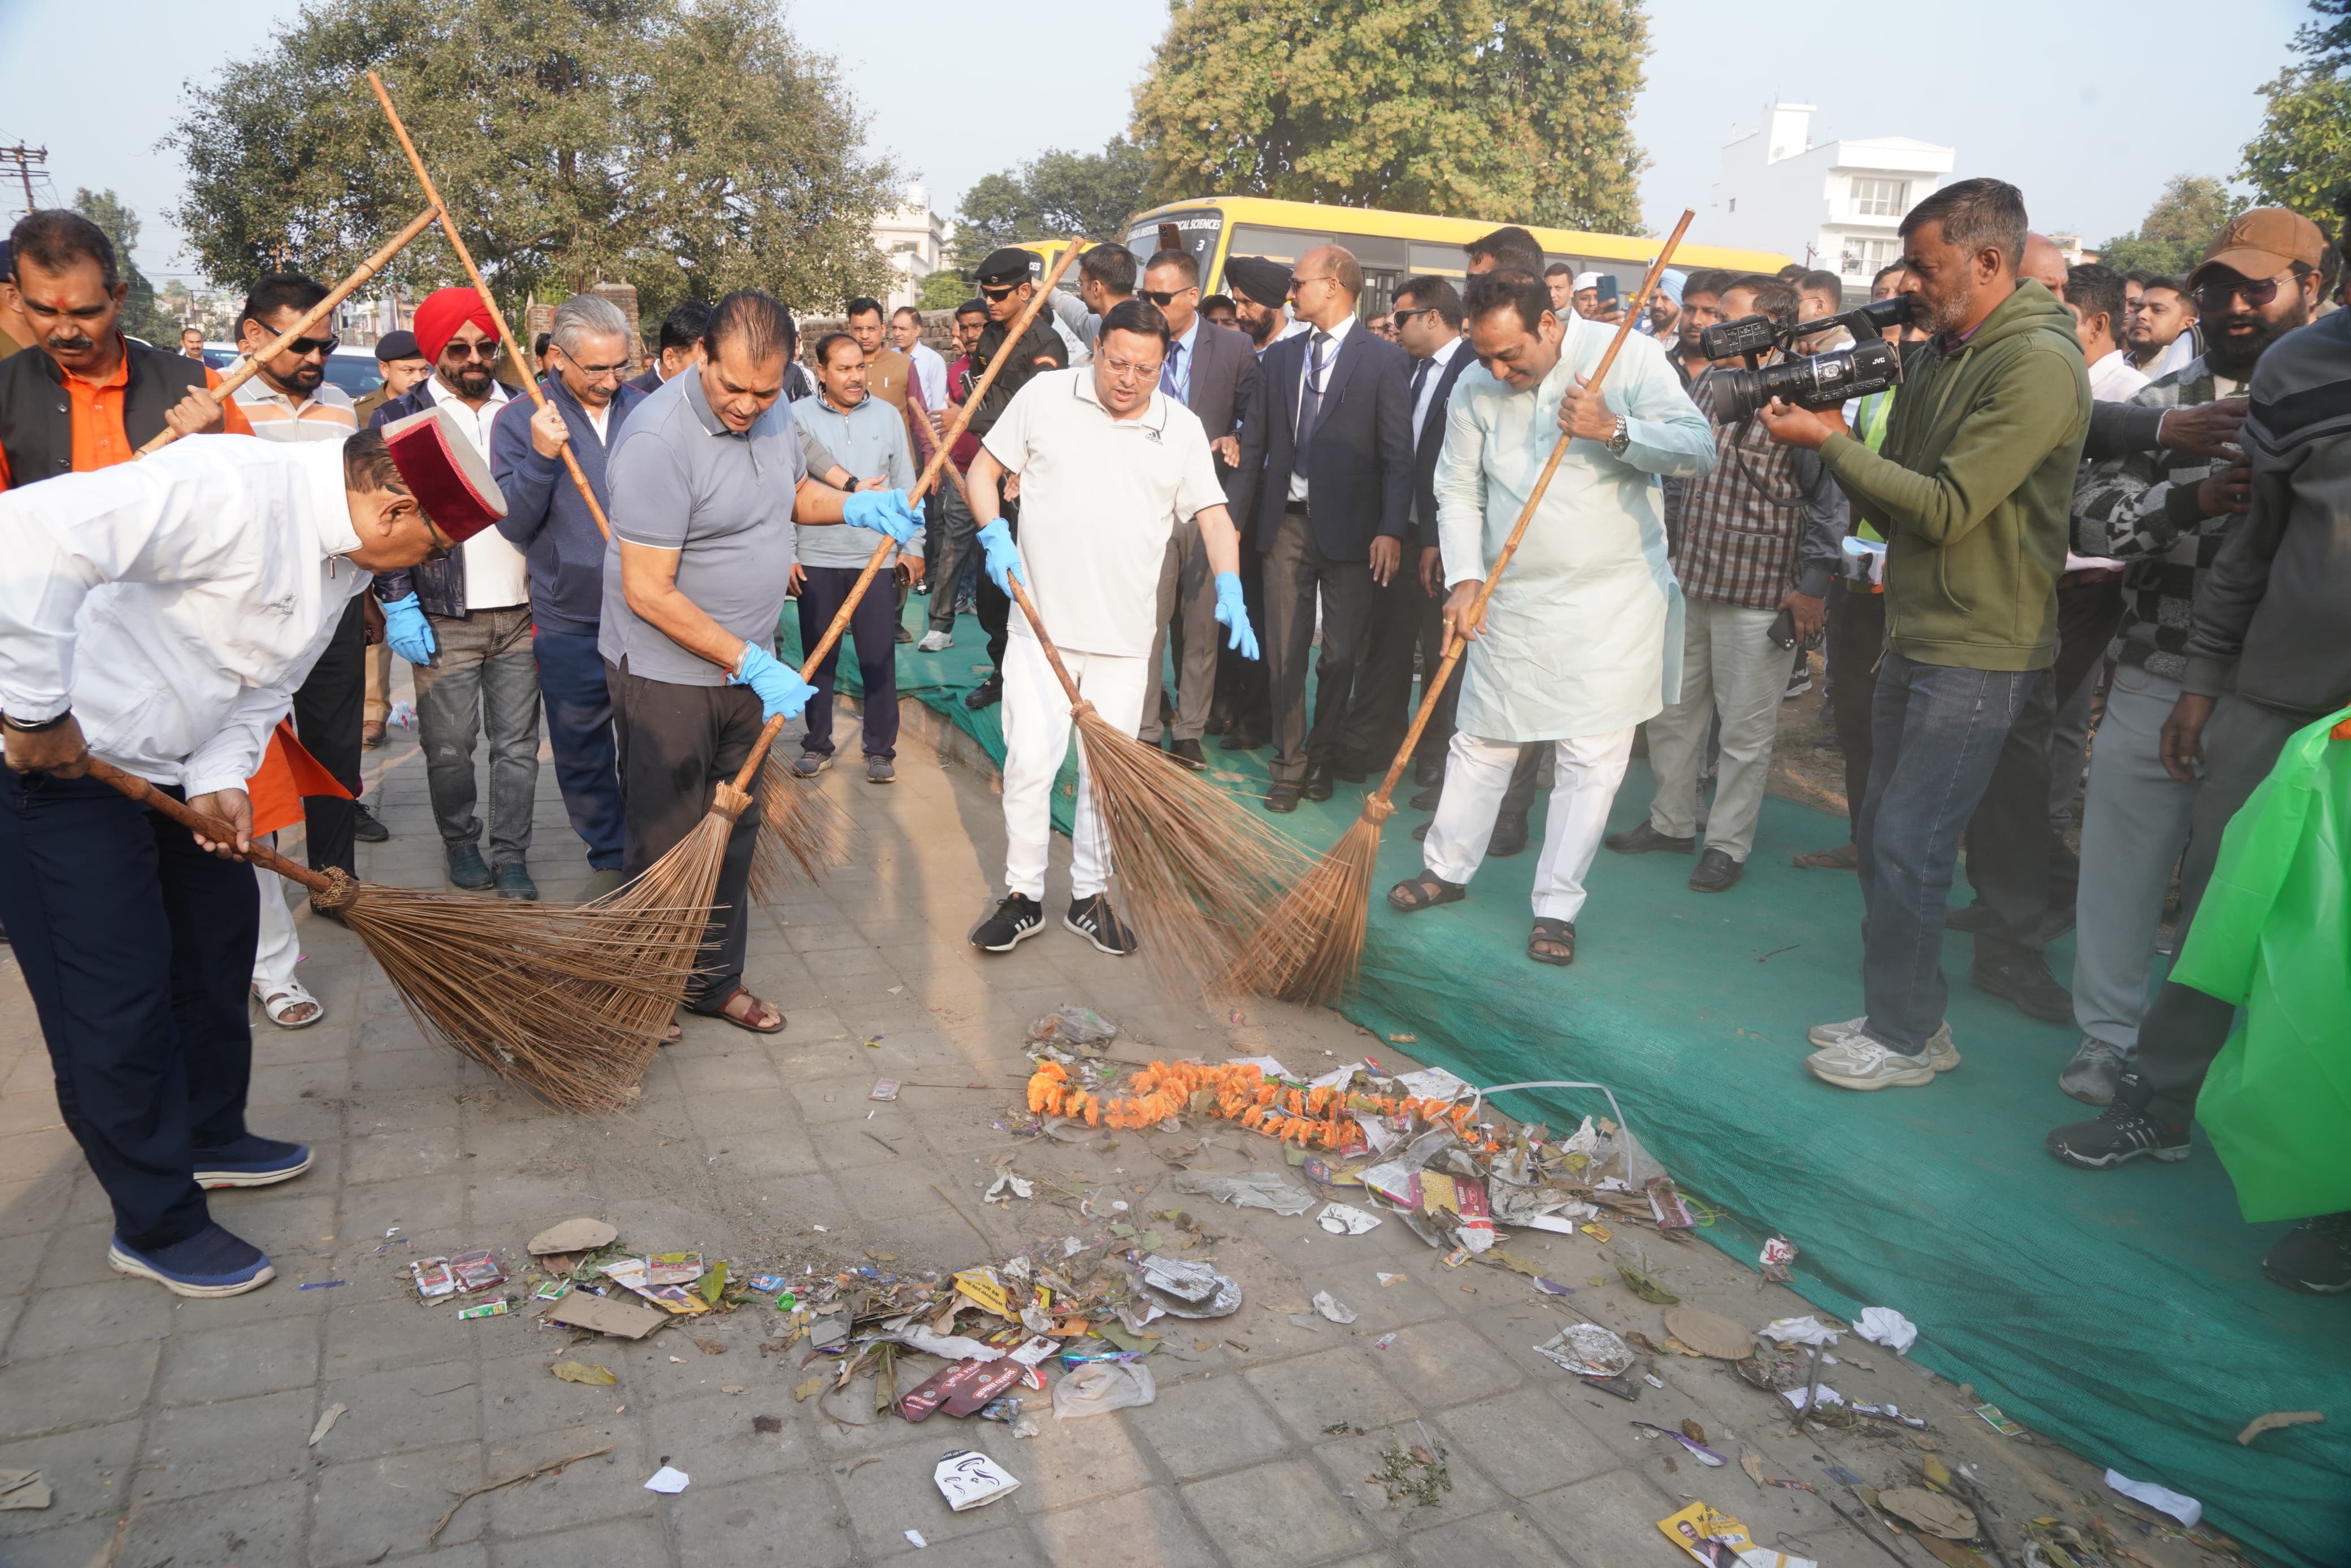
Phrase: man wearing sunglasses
(465, 625)
(548, 520)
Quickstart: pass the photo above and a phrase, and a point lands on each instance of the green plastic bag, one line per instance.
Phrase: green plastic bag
(2273, 934)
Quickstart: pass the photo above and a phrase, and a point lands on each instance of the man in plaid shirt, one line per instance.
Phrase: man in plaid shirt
(1756, 534)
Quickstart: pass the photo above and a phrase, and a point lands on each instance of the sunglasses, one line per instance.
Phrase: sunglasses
(305, 346)
(486, 351)
(998, 296)
(2212, 298)
(1401, 316)
(1163, 298)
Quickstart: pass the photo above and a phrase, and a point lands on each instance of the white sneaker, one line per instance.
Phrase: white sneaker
(1858, 1061)
(936, 642)
(1941, 1053)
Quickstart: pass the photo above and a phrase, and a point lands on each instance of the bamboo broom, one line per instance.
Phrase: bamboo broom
(498, 316)
(250, 366)
(499, 981)
(1311, 948)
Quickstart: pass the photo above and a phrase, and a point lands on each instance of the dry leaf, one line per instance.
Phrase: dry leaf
(808, 1389)
(327, 1420)
(1752, 1463)
(584, 1372)
(1642, 1285)
(1693, 1431)
(709, 1346)
(1935, 1514)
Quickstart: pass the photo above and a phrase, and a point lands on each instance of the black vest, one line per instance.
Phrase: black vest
(37, 414)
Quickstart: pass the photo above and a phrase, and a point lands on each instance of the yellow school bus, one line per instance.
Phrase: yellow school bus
(1392, 246)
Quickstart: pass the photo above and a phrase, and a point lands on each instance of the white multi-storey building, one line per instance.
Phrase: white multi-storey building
(914, 238)
(1835, 206)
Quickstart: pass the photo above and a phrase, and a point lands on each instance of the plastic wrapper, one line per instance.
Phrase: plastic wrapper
(1588, 1351)
(1102, 1386)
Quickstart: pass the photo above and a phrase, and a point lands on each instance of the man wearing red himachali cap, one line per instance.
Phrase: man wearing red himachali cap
(227, 564)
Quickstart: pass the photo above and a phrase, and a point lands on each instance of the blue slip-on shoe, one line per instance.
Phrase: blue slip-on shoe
(468, 869)
(251, 1161)
(211, 1262)
(514, 882)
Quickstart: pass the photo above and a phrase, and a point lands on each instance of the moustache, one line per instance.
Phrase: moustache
(71, 342)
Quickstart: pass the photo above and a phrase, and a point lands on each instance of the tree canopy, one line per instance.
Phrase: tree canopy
(2172, 236)
(141, 316)
(686, 146)
(1056, 196)
(1516, 111)
(2301, 158)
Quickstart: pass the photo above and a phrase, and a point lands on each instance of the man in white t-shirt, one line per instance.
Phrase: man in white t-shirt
(1109, 467)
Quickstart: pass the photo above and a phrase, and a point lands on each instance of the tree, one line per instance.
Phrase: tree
(2301, 158)
(1058, 195)
(140, 318)
(1487, 108)
(942, 290)
(688, 146)
(2172, 236)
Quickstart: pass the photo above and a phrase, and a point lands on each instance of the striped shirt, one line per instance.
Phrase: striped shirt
(328, 414)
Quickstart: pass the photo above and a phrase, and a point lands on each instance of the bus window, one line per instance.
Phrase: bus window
(1200, 230)
(1439, 260)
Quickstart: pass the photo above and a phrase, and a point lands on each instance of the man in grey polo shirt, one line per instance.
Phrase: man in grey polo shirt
(868, 437)
(708, 482)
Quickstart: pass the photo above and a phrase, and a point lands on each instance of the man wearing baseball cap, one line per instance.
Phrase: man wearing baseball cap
(227, 565)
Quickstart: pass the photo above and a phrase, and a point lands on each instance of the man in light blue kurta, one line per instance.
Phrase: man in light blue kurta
(1581, 640)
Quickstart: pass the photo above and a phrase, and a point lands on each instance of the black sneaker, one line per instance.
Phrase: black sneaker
(2120, 1134)
(1016, 918)
(2026, 981)
(1098, 922)
(987, 693)
(365, 828)
(2314, 1257)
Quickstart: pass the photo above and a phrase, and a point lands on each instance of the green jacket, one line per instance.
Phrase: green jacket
(1974, 488)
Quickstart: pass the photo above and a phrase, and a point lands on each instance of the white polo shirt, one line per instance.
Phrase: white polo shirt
(1100, 497)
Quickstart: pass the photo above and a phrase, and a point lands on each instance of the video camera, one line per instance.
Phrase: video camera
(1814, 381)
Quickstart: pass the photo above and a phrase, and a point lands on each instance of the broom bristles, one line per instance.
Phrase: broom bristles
(1310, 948)
(1198, 872)
(804, 831)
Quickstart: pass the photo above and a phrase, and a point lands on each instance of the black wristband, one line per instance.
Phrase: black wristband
(38, 726)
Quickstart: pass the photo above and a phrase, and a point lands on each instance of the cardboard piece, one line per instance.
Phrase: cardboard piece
(1710, 1334)
(574, 1236)
(622, 1319)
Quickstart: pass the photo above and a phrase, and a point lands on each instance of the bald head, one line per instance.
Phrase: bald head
(1326, 285)
(2043, 263)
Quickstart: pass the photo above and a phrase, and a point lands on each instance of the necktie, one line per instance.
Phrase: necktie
(1167, 372)
(1419, 380)
(1309, 396)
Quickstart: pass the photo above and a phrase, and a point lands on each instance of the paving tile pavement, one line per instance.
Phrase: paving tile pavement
(179, 1429)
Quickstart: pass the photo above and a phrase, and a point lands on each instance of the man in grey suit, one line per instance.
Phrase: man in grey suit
(1213, 372)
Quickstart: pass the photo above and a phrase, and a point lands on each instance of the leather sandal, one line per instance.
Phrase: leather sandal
(739, 1008)
(1415, 893)
(1557, 934)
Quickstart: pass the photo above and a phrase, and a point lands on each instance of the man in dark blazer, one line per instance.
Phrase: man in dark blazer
(1213, 372)
(1329, 436)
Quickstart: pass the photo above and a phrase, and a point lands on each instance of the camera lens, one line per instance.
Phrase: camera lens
(1819, 381)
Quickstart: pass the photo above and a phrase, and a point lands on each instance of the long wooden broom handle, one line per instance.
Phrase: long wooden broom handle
(248, 367)
(498, 316)
(1012, 336)
(154, 800)
(1456, 645)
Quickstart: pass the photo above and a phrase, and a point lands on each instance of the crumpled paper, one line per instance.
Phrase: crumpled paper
(1588, 1351)
(1251, 1189)
(1807, 1330)
(1345, 1219)
(1331, 1307)
(1884, 1325)
(2163, 1499)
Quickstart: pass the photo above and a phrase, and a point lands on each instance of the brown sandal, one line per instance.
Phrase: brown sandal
(1415, 893)
(739, 1006)
(1557, 933)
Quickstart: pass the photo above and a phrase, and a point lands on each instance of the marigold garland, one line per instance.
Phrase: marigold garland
(1312, 1118)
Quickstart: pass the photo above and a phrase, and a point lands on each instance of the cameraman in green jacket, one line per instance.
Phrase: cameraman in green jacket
(1973, 488)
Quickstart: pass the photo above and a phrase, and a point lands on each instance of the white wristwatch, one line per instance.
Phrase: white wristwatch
(1621, 438)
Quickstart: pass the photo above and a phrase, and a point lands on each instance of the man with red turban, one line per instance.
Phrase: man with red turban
(465, 623)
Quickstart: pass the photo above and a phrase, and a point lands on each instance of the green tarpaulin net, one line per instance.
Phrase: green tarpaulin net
(2122, 1314)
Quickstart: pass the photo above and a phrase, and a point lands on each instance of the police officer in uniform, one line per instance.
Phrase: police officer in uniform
(1005, 288)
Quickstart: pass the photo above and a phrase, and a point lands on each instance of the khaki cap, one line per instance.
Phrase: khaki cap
(2261, 244)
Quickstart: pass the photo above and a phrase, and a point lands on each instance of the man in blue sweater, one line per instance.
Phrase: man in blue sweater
(548, 521)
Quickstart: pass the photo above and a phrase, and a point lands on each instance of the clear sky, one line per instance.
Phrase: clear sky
(2089, 107)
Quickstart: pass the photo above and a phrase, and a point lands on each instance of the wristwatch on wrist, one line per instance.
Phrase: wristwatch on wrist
(1621, 438)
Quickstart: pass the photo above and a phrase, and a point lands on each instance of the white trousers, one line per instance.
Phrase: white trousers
(279, 949)
(1477, 773)
(1037, 737)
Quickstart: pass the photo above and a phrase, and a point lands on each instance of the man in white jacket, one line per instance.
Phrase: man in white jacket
(159, 614)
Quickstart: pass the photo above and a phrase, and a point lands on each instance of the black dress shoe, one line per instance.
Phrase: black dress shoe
(1975, 917)
(1351, 772)
(987, 693)
(2025, 981)
(1220, 720)
(1420, 833)
(1642, 839)
(1318, 785)
(365, 828)
(1242, 739)
(1426, 799)
(1427, 775)
(1188, 752)
(1510, 837)
(1716, 871)
(1281, 797)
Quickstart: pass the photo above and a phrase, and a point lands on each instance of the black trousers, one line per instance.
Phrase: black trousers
(1856, 637)
(137, 947)
(2015, 849)
(1242, 691)
(675, 744)
(874, 628)
(327, 709)
(1297, 576)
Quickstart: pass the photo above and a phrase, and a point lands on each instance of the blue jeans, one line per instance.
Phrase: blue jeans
(580, 733)
(1936, 733)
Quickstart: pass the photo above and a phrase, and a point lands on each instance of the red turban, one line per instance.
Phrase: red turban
(443, 312)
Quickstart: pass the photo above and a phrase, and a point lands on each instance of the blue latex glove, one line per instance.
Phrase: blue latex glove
(1232, 613)
(405, 628)
(780, 688)
(1003, 556)
(883, 511)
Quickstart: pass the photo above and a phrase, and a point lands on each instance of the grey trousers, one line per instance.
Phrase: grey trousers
(1730, 667)
(2135, 823)
(484, 679)
(1187, 602)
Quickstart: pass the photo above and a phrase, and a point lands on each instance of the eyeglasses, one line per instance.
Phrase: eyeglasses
(998, 295)
(597, 372)
(2212, 298)
(1298, 283)
(1163, 298)
(486, 351)
(1123, 368)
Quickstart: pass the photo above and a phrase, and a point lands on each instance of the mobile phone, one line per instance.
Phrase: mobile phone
(1607, 290)
(1784, 630)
